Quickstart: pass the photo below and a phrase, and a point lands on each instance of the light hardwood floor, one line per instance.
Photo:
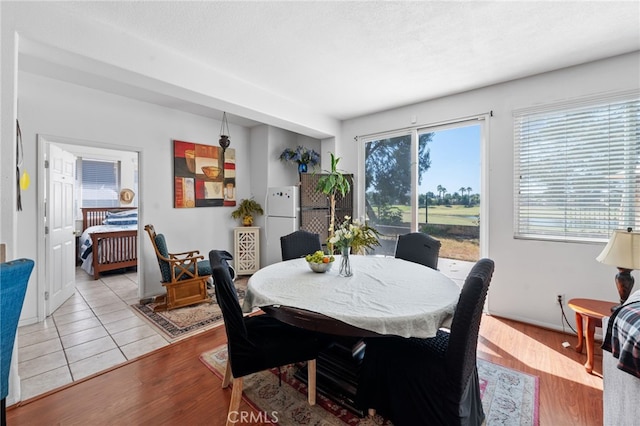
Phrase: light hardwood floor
(170, 386)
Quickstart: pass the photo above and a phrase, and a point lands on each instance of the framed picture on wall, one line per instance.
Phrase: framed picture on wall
(204, 175)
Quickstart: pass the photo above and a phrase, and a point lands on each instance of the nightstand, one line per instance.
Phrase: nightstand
(591, 311)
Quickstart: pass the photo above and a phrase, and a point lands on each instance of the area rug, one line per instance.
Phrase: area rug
(182, 322)
(509, 397)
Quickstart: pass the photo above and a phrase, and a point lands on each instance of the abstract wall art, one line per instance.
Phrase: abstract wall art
(204, 175)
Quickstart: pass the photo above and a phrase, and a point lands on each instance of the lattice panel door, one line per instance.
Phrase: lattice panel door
(247, 250)
(309, 197)
(314, 206)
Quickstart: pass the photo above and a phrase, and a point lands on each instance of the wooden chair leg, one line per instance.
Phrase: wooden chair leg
(228, 376)
(311, 379)
(234, 405)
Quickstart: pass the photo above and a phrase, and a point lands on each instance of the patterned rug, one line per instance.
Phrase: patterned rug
(182, 322)
(509, 397)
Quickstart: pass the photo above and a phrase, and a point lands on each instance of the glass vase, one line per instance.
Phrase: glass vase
(345, 263)
(302, 168)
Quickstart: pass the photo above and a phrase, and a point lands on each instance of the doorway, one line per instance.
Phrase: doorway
(55, 210)
(450, 191)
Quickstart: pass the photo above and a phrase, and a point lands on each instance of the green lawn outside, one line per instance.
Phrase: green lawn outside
(454, 215)
(453, 246)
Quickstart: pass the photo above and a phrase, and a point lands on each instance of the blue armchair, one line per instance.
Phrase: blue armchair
(14, 277)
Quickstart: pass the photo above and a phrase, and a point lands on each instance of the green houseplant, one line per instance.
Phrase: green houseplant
(331, 184)
(247, 208)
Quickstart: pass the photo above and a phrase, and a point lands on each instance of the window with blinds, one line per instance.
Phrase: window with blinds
(100, 183)
(577, 170)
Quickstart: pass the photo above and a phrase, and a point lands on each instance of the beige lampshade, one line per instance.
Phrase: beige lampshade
(622, 250)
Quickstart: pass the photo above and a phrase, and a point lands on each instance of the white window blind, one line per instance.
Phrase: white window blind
(100, 183)
(577, 170)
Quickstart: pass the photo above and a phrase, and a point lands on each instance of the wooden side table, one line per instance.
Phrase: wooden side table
(591, 311)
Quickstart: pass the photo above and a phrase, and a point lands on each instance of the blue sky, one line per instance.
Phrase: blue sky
(455, 161)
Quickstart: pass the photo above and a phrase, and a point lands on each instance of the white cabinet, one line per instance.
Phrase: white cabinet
(246, 255)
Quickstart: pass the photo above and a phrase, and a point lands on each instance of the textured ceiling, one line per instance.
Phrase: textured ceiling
(345, 59)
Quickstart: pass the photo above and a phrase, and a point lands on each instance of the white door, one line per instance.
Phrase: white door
(60, 227)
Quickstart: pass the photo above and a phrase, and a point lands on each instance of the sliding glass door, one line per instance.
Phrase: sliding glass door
(426, 180)
(390, 185)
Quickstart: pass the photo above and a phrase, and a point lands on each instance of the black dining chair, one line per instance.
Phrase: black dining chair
(419, 248)
(430, 381)
(299, 244)
(14, 278)
(258, 342)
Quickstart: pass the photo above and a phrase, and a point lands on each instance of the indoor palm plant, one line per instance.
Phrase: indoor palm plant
(247, 208)
(331, 184)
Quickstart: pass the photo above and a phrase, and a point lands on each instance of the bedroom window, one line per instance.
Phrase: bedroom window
(100, 182)
(577, 169)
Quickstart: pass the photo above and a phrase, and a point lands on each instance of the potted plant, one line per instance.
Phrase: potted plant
(331, 184)
(247, 208)
(302, 156)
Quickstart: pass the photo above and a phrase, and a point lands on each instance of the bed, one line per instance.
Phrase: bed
(114, 231)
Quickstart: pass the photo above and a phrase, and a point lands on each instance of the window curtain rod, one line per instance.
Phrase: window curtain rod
(478, 117)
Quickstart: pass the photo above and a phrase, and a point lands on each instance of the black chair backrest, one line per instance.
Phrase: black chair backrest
(227, 298)
(463, 340)
(298, 244)
(419, 248)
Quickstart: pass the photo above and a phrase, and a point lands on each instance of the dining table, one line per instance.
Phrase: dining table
(384, 296)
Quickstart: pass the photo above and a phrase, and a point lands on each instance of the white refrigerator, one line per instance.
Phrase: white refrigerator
(283, 217)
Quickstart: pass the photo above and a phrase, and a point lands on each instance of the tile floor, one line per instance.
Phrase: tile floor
(92, 331)
(96, 329)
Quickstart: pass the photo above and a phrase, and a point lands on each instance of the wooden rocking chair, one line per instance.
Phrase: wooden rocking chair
(184, 275)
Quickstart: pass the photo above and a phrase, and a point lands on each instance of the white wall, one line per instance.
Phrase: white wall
(267, 143)
(528, 273)
(65, 110)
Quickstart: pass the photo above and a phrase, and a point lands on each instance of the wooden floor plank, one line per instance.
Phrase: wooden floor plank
(172, 387)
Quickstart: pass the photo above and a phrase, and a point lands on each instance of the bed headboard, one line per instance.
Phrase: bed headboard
(92, 216)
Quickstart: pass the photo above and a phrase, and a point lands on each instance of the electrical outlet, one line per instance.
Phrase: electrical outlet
(559, 298)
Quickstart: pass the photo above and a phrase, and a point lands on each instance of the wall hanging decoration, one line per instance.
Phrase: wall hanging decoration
(126, 196)
(22, 181)
(204, 175)
(225, 134)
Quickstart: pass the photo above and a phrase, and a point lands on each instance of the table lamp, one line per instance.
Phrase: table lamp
(623, 252)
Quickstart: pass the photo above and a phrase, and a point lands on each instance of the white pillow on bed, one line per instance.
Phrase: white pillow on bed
(126, 217)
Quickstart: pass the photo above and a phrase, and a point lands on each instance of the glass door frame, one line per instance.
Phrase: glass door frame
(361, 195)
(481, 120)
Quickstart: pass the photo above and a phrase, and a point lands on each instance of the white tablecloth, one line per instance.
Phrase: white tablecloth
(385, 295)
